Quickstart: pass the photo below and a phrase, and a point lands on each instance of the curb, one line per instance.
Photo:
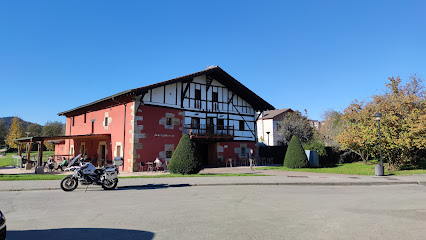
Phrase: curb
(239, 184)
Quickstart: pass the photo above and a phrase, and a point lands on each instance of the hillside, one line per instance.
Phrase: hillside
(8, 122)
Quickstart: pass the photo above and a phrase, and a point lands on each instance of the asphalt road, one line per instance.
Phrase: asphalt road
(219, 212)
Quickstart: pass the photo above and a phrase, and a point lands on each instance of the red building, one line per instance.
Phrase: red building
(217, 111)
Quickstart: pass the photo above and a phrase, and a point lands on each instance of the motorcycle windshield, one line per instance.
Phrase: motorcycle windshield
(75, 159)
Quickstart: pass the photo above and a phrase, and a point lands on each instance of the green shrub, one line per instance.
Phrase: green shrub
(185, 159)
(295, 156)
(315, 145)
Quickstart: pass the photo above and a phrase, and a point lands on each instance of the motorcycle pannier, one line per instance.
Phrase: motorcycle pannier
(118, 161)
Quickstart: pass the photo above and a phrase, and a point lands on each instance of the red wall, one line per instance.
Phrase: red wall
(156, 135)
(115, 128)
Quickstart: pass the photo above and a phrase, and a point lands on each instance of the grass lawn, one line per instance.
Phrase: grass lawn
(356, 168)
(23, 177)
(8, 160)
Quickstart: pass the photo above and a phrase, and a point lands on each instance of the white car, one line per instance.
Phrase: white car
(2, 226)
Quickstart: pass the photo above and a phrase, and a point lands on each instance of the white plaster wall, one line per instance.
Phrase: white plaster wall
(157, 95)
(171, 94)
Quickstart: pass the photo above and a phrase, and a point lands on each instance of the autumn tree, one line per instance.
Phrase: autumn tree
(52, 129)
(332, 126)
(403, 125)
(15, 131)
(295, 124)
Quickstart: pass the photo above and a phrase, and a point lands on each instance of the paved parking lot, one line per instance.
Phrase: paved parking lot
(219, 212)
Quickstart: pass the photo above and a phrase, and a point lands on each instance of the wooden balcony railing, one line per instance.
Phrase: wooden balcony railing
(209, 131)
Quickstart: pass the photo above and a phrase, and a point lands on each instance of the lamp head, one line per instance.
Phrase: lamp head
(377, 116)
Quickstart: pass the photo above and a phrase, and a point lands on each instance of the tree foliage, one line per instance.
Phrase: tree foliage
(295, 124)
(331, 127)
(3, 131)
(34, 130)
(15, 131)
(295, 156)
(185, 159)
(403, 125)
(52, 129)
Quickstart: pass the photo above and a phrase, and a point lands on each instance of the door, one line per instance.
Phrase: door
(210, 125)
(103, 151)
(212, 155)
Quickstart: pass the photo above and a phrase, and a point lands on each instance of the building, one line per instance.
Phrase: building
(217, 111)
(316, 124)
(267, 126)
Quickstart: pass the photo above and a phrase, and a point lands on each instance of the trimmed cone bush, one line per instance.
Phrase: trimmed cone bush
(295, 156)
(185, 159)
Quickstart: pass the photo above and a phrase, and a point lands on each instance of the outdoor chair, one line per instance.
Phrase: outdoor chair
(141, 165)
(263, 161)
(150, 166)
(270, 161)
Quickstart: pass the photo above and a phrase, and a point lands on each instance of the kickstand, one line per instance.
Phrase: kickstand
(87, 188)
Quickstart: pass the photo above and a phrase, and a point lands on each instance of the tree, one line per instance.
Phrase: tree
(15, 132)
(331, 127)
(295, 156)
(52, 129)
(185, 159)
(3, 131)
(403, 125)
(34, 130)
(295, 124)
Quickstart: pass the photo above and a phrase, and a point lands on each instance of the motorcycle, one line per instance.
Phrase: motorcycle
(87, 174)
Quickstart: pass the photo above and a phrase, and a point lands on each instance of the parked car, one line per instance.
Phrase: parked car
(2, 226)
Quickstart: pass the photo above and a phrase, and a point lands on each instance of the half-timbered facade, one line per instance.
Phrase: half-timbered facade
(217, 111)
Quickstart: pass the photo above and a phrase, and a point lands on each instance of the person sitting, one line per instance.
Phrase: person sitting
(63, 164)
(50, 163)
(158, 164)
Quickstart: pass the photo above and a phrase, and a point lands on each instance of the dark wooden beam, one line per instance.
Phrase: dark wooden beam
(184, 92)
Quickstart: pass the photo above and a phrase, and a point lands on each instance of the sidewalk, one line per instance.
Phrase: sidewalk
(278, 178)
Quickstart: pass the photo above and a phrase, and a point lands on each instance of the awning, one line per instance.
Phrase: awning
(74, 137)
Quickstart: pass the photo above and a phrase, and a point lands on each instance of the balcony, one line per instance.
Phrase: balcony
(202, 131)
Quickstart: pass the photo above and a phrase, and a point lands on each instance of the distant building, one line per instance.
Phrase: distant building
(268, 122)
(316, 124)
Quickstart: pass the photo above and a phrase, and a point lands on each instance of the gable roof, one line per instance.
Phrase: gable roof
(274, 113)
(216, 72)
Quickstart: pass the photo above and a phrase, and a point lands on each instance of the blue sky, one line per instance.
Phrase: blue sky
(314, 55)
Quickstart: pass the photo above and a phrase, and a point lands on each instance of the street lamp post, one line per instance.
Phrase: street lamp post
(268, 137)
(379, 169)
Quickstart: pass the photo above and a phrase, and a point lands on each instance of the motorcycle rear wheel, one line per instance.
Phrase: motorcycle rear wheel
(109, 185)
(69, 183)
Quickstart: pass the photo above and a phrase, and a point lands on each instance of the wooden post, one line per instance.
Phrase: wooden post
(40, 153)
(20, 149)
(28, 151)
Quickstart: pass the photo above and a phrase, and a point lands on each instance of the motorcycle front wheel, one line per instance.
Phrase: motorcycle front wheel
(69, 183)
(110, 184)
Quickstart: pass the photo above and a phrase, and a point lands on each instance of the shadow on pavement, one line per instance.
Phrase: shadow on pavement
(80, 233)
(151, 186)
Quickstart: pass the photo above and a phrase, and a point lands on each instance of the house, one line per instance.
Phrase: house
(267, 126)
(217, 111)
(316, 124)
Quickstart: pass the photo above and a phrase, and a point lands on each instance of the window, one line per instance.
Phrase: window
(242, 125)
(195, 122)
(106, 121)
(93, 126)
(220, 124)
(197, 94)
(243, 152)
(197, 103)
(168, 154)
(85, 118)
(118, 151)
(215, 97)
(169, 121)
(72, 121)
